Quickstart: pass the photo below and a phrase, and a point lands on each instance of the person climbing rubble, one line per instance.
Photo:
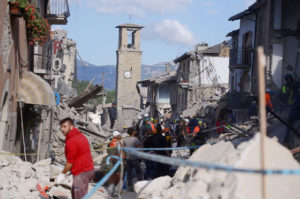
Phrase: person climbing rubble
(79, 159)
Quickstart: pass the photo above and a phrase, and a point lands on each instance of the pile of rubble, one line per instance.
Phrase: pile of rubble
(19, 179)
(190, 182)
(93, 131)
(210, 99)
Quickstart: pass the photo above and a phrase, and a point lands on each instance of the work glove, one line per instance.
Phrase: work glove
(60, 178)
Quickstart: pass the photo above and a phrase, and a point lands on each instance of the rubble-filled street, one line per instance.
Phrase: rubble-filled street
(168, 99)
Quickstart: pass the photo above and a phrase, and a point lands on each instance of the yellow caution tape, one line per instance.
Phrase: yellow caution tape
(19, 154)
(33, 154)
(103, 149)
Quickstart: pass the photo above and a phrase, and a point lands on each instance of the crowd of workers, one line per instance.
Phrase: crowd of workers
(151, 133)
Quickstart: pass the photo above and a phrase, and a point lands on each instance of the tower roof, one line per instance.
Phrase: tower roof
(129, 25)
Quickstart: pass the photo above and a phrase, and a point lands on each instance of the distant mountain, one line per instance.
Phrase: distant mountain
(90, 71)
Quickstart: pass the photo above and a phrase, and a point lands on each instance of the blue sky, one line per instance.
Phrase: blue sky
(172, 27)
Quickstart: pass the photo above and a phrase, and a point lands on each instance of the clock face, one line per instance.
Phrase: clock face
(127, 74)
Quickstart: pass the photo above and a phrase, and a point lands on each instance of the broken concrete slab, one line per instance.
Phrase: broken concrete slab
(190, 182)
(148, 189)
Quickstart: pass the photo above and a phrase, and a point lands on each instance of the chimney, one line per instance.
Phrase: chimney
(201, 46)
(168, 65)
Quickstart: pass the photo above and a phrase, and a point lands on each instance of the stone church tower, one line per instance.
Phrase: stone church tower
(129, 66)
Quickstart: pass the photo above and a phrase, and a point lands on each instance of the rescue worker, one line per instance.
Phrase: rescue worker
(114, 179)
(219, 124)
(269, 104)
(200, 137)
(197, 129)
(287, 91)
(193, 123)
(78, 159)
(186, 122)
(115, 142)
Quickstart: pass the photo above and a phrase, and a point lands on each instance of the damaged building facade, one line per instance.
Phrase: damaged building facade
(273, 24)
(199, 70)
(26, 95)
(157, 93)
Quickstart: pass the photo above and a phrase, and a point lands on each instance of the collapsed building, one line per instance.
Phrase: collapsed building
(199, 71)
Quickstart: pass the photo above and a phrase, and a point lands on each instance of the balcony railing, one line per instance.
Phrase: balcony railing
(58, 11)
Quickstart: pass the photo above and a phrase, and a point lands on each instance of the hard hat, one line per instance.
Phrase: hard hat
(139, 117)
(146, 115)
(116, 133)
(200, 122)
(152, 119)
(186, 120)
(289, 77)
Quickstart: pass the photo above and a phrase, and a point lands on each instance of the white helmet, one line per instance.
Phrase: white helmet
(116, 133)
(139, 117)
(146, 115)
(186, 120)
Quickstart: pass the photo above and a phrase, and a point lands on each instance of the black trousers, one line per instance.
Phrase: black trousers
(133, 164)
(112, 124)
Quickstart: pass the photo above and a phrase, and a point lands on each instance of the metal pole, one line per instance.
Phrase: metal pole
(22, 127)
(40, 136)
(50, 131)
(262, 112)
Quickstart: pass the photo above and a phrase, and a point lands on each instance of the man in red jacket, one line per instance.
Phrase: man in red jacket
(79, 159)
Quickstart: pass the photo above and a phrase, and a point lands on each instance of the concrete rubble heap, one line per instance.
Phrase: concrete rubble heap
(21, 179)
(94, 132)
(190, 182)
(210, 99)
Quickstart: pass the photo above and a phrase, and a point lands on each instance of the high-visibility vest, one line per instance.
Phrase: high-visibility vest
(288, 90)
(114, 143)
(268, 100)
(196, 130)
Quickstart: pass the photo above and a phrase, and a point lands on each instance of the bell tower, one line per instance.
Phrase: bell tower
(129, 64)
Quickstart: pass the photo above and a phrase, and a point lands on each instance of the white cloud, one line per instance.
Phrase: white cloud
(137, 7)
(170, 31)
(208, 3)
(212, 11)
